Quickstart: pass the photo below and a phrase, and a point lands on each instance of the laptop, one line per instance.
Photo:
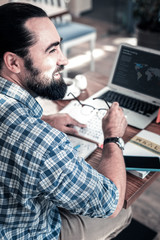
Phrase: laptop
(135, 84)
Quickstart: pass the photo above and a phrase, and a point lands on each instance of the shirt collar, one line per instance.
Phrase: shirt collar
(13, 90)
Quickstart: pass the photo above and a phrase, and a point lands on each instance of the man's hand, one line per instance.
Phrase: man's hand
(63, 122)
(114, 122)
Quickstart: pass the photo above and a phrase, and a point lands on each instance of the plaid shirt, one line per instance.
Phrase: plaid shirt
(40, 172)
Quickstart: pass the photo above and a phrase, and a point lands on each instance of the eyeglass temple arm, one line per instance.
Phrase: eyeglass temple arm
(103, 100)
(80, 101)
(75, 98)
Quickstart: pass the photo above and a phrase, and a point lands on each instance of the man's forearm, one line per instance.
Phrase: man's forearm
(112, 166)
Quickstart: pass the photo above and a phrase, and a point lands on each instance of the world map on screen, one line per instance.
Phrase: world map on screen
(149, 72)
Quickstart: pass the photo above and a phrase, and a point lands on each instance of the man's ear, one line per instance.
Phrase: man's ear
(12, 62)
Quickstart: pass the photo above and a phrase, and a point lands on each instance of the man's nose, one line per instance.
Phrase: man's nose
(62, 60)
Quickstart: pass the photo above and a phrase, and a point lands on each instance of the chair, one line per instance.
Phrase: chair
(3, 2)
(73, 33)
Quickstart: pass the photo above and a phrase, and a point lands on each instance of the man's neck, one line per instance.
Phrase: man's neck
(12, 77)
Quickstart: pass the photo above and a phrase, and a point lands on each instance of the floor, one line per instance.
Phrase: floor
(147, 208)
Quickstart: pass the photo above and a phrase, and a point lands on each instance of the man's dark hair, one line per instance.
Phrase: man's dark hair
(14, 37)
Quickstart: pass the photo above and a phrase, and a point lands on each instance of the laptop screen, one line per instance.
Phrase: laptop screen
(138, 70)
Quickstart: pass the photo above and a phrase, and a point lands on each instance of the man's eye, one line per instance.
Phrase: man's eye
(53, 50)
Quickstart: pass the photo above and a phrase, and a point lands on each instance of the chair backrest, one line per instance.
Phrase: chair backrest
(57, 3)
(3, 2)
(60, 3)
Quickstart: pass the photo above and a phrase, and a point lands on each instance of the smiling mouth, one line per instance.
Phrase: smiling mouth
(57, 75)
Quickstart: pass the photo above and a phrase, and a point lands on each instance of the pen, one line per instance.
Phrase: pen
(77, 146)
(107, 104)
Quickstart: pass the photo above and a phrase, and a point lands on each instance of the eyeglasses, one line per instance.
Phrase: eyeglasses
(87, 109)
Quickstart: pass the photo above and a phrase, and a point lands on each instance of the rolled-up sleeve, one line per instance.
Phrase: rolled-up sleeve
(71, 183)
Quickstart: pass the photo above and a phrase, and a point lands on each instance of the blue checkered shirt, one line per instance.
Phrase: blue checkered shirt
(40, 173)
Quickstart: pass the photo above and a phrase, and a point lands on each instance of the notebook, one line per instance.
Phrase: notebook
(145, 143)
(136, 78)
(93, 131)
(84, 148)
(136, 75)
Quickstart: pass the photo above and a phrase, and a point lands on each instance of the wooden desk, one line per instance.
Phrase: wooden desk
(135, 185)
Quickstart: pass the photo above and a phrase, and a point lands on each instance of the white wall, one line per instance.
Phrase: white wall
(78, 6)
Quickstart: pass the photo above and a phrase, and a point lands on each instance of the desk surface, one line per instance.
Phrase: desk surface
(135, 185)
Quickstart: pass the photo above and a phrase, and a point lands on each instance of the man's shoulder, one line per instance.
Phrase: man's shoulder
(19, 123)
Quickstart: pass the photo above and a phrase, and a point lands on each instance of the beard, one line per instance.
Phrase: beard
(37, 84)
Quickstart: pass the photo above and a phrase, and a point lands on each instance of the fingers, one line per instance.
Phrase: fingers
(114, 122)
(115, 109)
(73, 122)
(70, 130)
(70, 123)
(78, 124)
(115, 105)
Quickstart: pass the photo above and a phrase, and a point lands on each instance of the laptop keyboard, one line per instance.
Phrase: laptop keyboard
(130, 103)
